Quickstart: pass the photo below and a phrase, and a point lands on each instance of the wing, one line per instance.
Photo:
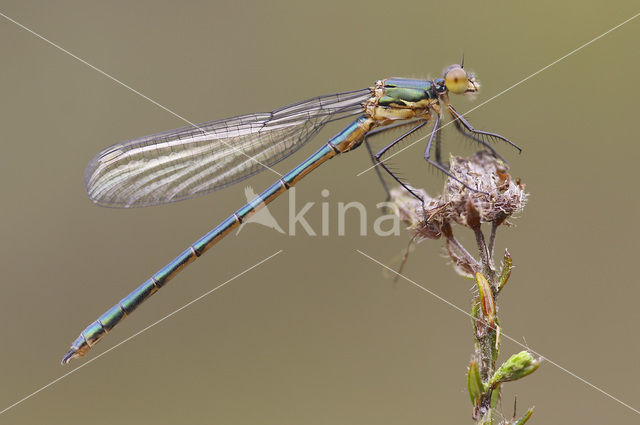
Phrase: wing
(192, 161)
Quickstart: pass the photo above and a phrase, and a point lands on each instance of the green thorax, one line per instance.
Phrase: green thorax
(400, 91)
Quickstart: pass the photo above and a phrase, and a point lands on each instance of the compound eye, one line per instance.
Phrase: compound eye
(456, 80)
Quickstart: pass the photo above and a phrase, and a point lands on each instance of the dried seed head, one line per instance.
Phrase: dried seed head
(409, 210)
(496, 196)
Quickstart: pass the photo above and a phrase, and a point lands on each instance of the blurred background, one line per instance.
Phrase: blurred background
(318, 334)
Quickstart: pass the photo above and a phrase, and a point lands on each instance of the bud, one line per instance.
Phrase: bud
(518, 366)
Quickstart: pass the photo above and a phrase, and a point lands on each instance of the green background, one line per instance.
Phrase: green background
(318, 334)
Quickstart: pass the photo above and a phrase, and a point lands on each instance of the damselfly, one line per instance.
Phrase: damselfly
(196, 160)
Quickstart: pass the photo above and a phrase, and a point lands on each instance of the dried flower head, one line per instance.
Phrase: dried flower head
(409, 210)
(496, 196)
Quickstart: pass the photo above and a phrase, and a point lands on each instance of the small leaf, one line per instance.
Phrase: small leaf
(495, 339)
(486, 298)
(524, 418)
(474, 383)
(495, 396)
(507, 265)
(518, 366)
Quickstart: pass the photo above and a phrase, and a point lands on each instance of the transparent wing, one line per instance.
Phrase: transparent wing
(192, 161)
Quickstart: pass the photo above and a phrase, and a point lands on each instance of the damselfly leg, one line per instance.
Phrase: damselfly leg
(437, 163)
(372, 156)
(378, 173)
(478, 135)
(378, 158)
(439, 145)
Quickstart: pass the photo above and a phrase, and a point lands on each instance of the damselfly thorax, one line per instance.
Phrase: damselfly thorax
(402, 99)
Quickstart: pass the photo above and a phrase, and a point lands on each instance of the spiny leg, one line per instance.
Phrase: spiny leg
(471, 136)
(373, 160)
(427, 156)
(384, 150)
(459, 120)
(439, 145)
(372, 156)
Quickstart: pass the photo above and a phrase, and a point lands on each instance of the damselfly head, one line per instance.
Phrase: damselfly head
(458, 81)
